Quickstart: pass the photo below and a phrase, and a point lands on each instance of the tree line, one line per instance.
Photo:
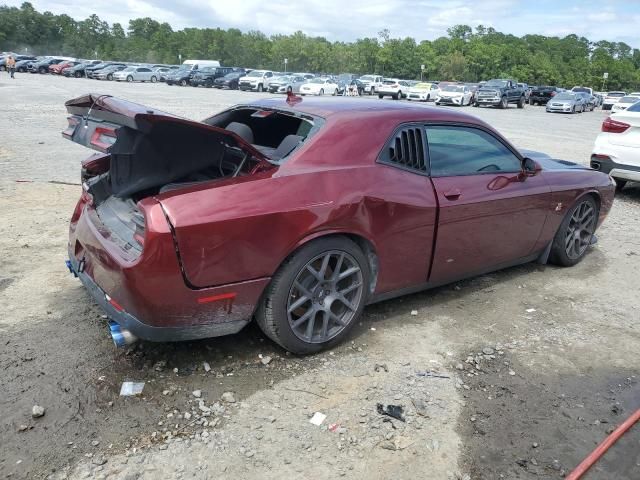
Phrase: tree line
(465, 54)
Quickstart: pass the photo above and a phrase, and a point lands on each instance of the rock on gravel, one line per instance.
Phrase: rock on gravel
(228, 397)
(37, 411)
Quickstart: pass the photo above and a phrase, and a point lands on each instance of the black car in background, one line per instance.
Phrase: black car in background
(24, 65)
(206, 76)
(181, 76)
(230, 80)
(18, 58)
(42, 66)
(78, 70)
(541, 95)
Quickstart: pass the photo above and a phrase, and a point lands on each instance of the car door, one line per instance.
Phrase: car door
(491, 213)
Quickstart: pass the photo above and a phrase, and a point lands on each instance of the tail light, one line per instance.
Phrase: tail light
(553, 94)
(614, 126)
(103, 138)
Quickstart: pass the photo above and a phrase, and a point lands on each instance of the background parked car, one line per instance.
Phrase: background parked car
(181, 76)
(206, 76)
(230, 80)
(256, 80)
(611, 99)
(423, 92)
(459, 95)
(43, 65)
(136, 74)
(57, 68)
(394, 88)
(617, 148)
(91, 70)
(500, 93)
(18, 58)
(624, 103)
(107, 73)
(319, 86)
(371, 83)
(287, 83)
(24, 65)
(568, 102)
(541, 95)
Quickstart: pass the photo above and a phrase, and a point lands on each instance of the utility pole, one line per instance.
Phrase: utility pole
(421, 71)
(286, 60)
(605, 75)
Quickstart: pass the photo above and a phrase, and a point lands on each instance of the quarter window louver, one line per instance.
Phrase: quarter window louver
(407, 149)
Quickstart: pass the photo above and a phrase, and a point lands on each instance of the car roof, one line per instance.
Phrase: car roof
(338, 107)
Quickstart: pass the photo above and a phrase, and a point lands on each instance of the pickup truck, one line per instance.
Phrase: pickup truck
(500, 93)
(371, 83)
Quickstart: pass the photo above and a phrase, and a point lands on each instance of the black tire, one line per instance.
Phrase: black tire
(42, 70)
(573, 110)
(476, 104)
(372, 91)
(275, 314)
(129, 78)
(380, 96)
(153, 79)
(321, 92)
(289, 89)
(183, 83)
(521, 102)
(398, 95)
(260, 88)
(77, 74)
(575, 235)
(504, 103)
(620, 184)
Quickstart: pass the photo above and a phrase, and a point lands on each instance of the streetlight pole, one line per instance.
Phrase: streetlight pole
(421, 71)
(286, 60)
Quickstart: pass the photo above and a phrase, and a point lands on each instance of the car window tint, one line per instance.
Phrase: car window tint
(467, 151)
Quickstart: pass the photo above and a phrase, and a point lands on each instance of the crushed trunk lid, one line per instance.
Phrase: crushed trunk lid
(148, 147)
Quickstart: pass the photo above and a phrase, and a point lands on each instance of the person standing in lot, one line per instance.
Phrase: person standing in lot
(11, 65)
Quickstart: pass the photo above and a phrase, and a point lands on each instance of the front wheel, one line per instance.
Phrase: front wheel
(260, 88)
(183, 83)
(575, 233)
(129, 78)
(335, 92)
(521, 102)
(504, 103)
(316, 296)
(321, 92)
(77, 74)
(372, 91)
(620, 184)
(153, 79)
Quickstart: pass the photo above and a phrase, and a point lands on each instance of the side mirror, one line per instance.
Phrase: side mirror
(531, 167)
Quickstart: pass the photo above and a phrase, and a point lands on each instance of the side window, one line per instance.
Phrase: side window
(467, 151)
(406, 150)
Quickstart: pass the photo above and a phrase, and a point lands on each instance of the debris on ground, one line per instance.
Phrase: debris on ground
(266, 359)
(414, 312)
(130, 389)
(228, 397)
(197, 393)
(432, 374)
(393, 411)
(318, 418)
(206, 366)
(381, 366)
(37, 411)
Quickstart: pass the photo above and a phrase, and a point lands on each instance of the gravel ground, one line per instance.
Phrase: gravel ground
(490, 387)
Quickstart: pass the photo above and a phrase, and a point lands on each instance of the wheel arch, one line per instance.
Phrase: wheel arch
(365, 244)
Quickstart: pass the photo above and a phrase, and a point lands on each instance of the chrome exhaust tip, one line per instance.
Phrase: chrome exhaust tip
(121, 336)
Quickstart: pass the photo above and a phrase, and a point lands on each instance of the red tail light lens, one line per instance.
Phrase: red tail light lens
(103, 138)
(553, 94)
(614, 126)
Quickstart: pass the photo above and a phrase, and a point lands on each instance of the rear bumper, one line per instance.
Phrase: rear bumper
(149, 296)
(615, 169)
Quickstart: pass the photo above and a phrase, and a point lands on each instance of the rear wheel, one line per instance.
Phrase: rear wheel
(77, 74)
(154, 79)
(129, 78)
(620, 184)
(183, 83)
(260, 89)
(372, 91)
(316, 296)
(42, 70)
(335, 92)
(321, 92)
(380, 96)
(574, 235)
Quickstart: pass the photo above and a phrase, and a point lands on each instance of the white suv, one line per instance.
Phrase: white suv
(255, 80)
(394, 88)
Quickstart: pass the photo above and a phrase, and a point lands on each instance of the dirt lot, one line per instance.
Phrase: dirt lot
(533, 365)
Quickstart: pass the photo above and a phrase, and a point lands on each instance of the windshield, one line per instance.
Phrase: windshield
(367, 78)
(256, 73)
(422, 86)
(580, 89)
(390, 82)
(565, 96)
(129, 69)
(634, 108)
(629, 99)
(316, 80)
(453, 88)
(616, 94)
(496, 83)
(207, 69)
(231, 75)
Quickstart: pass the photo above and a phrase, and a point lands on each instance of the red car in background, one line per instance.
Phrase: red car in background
(284, 211)
(59, 68)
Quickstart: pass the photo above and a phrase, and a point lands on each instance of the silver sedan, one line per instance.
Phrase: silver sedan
(568, 102)
(136, 74)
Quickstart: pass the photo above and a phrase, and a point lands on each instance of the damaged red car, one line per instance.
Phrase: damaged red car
(298, 213)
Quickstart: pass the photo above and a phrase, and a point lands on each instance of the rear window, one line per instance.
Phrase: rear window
(629, 99)
(616, 94)
(634, 108)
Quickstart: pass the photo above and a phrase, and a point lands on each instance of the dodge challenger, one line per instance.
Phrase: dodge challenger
(281, 211)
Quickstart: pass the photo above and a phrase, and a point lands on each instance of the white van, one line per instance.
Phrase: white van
(200, 63)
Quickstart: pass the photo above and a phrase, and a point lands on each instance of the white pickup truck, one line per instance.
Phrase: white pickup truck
(371, 83)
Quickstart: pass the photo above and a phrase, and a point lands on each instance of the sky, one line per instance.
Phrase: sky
(347, 20)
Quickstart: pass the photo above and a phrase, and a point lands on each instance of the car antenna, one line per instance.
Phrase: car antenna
(86, 117)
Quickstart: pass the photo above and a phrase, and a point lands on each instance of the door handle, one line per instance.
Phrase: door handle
(453, 194)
